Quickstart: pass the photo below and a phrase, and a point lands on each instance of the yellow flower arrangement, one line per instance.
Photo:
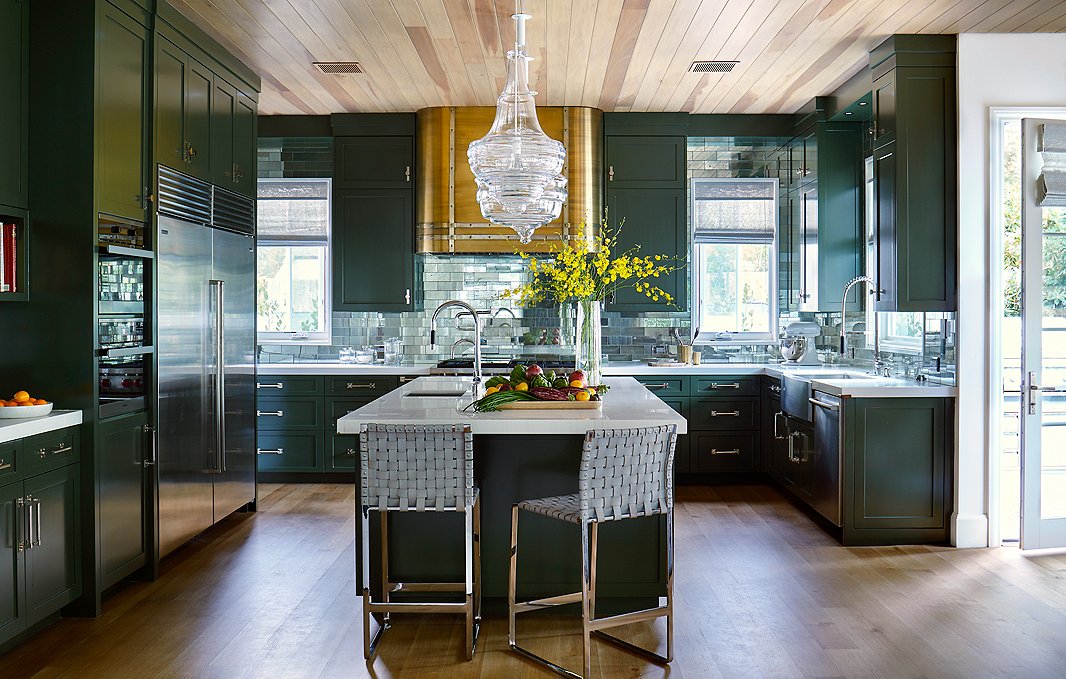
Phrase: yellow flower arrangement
(578, 271)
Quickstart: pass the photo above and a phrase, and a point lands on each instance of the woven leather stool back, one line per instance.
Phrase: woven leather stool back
(627, 473)
(416, 468)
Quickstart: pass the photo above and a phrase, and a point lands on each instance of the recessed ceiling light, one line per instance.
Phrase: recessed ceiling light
(339, 67)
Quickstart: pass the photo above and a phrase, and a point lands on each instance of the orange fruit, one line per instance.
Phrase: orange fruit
(40, 402)
(581, 396)
(26, 403)
(12, 403)
(578, 384)
(20, 397)
(3, 404)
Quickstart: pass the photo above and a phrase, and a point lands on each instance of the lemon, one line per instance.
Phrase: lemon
(522, 386)
(581, 396)
(491, 390)
(578, 383)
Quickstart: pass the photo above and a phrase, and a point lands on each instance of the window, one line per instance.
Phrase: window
(734, 230)
(293, 281)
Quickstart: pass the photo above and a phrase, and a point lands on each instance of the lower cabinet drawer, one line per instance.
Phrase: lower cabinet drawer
(723, 452)
(288, 413)
(724, 413)
(359, 386)
(290, 451)
(726, 386)
(345, 453)
(49, 451)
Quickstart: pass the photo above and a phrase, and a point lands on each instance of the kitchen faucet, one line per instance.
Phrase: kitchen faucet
(461, 340)
(878, 363)
(477, 332)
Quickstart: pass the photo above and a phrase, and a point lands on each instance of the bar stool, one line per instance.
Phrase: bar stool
(409, 468)
(624, 474)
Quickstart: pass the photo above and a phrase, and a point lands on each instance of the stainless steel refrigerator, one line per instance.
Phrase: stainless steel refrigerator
(206, 356)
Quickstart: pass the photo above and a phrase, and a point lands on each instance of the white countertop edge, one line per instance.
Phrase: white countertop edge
(627, 406)
(20, 428)
(869, 387)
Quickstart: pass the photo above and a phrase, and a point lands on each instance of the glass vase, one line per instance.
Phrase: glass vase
(588, 348)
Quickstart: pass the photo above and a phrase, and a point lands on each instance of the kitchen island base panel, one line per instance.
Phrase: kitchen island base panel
(507, 469)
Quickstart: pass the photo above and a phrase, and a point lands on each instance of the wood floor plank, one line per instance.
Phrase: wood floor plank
(761, 591)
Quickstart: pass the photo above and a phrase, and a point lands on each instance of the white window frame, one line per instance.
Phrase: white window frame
(724, 338)
(322, 337)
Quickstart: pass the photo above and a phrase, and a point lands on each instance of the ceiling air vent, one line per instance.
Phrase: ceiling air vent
(339, 67)
(712, 66)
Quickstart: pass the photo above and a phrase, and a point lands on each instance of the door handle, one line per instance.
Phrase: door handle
(37, 508)
(725, 413)
(724, 385)
(270, 413)
(610, 173)
(368, 385)
(656, 387)
(62, 448)
(734, 451)
(220, 376)
(823, 404)
(407, 173)
(20, 524)
(270, 451)
(150, 459)
(1034, 389)
(275, 385)
(777, 432)
(407, 296)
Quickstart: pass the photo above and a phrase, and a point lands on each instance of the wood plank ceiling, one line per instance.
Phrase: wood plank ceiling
(617, 55)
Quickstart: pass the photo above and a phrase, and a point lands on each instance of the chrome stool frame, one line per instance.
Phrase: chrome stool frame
(624, 474)
(419, 469)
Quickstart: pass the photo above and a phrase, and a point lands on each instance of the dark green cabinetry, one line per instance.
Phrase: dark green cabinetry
(897, 470)
(375, 267)
(124, 459)
(40, 566)
(122, 54)
(14, 112)
(373, 250)
(303, 438)
(646, 182)
(233, 132)
(915, 172)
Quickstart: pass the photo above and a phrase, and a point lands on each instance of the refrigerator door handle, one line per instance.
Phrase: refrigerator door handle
(220, 377)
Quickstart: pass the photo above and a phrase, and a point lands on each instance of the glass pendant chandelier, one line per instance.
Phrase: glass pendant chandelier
(518, 168)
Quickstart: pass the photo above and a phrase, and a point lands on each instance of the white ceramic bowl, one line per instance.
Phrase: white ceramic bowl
(21, 412)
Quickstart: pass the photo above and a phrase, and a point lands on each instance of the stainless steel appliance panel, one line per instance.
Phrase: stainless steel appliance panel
(826, 494)
(186, 498)
(795, 396)
(234, 267)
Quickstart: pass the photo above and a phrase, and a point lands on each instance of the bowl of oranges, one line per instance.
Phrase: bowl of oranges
(24, 405)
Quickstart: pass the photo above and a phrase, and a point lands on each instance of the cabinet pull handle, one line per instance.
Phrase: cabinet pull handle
(407, 296)
(823, 404)
(656, 387)
(725, 413)
(610, 173)
(774, 388)
(368, 385)
(777, 432)
(720, 385)
(63, 448)
(4, 465)
(27, 503)
(275, 385)
(407, 173)
(734, 451)
(349, 453)
(37, 507)
(404, 379)
(269, 451)
(269, 413)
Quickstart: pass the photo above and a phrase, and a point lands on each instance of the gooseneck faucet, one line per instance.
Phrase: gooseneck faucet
(477, 332)
(843, 315)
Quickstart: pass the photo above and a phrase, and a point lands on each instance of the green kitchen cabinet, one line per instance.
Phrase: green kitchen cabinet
(12, 561)
(290, 451)
(656, 220)
(14, 113)
(374, 263)
(897, 470)
(233, 125)
(184, 90)
(124, 497)
(122, 56)
(53, 569)
(681, 451)
(915, 173)
(646, 162)
(373, 162)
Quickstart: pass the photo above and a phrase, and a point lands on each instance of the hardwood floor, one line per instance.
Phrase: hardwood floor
(761, 592)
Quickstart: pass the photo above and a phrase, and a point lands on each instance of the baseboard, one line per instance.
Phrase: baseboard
(969, 530)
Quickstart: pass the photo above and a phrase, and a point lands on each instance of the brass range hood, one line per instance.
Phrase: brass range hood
(449, 218)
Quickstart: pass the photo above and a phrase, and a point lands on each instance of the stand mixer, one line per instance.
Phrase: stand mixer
(797, 343)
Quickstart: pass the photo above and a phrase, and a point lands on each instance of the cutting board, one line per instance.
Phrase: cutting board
(552, 405)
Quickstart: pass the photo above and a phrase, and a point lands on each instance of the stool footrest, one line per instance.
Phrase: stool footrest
(538, 604)
(394, 587)
(629, 618)
(544, 661)
(411, 607)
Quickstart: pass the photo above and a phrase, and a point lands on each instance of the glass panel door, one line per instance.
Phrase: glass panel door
(1043, 307)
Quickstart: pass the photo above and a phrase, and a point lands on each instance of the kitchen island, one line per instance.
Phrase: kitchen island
(523, 454)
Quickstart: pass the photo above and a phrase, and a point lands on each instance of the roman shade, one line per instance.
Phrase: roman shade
(732, 210)
(1051, 184)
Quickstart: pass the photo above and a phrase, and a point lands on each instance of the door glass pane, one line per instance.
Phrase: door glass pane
(1053, 431)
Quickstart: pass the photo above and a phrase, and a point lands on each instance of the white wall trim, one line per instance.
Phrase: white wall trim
(969, 530)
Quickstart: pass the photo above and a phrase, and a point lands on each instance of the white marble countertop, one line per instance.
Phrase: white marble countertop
(20, 428)
(860, 383)
(627, 405)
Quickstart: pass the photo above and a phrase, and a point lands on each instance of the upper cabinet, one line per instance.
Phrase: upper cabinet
(205, 115)
(122, 57)
(14, 92)
(915, 172)
(646, 182)
(375, 267)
